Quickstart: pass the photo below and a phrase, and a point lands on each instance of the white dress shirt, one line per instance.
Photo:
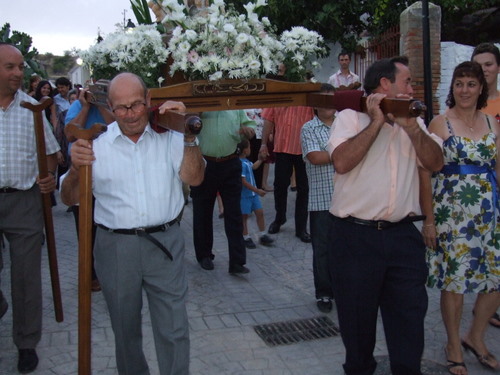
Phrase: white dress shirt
(384, 185)
(338, 79)
(137, 184)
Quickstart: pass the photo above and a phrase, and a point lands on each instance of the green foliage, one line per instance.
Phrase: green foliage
(141, 12)
(23, 42)
(62, 64)
(344, 21)
(143, 15)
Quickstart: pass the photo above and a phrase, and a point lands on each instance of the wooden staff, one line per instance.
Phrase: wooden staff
(37, 110)
(74, 132)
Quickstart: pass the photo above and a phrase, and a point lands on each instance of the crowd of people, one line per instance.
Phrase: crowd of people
(367, 253)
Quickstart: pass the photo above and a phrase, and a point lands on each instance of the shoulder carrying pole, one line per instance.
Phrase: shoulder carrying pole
(47, 204)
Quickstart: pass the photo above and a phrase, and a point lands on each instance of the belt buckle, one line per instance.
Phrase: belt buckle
(380, 225)
(141, 229)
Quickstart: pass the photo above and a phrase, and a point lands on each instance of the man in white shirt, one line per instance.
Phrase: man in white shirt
(343, 77)
(61, 99)
(137, 177)
(21, 218)
(377, 256)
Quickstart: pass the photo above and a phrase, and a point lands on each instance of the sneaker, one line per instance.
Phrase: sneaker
(266, 240)
(249, 244)
(324, 304)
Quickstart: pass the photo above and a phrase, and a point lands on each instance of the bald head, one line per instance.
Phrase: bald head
(129, 99)
(11, 69)
(126, 82)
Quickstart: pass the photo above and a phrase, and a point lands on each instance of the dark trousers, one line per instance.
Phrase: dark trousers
(285, 163)
(379, 268)
(21, 221)
(254, 156)
(224, 177)
(320, 228)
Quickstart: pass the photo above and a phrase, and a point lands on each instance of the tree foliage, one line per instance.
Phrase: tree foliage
(344, 21)
(22, 42)
(62, 64)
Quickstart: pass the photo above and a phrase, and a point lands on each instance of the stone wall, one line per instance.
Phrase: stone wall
(411, 45)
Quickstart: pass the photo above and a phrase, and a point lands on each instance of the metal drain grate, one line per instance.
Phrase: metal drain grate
(293, 331)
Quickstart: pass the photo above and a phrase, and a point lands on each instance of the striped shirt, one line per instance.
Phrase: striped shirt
(18, 153)
(288, 122)
(314, 137)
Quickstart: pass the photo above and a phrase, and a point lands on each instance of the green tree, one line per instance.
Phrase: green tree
(23, 41)
(62, 64)
(344, 21)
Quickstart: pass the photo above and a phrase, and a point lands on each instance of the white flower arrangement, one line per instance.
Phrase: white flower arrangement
(301, 45)
(219, 43)
(139, 50)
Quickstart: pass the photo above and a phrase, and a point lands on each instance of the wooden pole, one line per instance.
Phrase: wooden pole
(37, 110)
(74, 132)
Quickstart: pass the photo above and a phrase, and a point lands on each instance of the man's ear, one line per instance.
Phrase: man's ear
(385, 84)
(148, 98)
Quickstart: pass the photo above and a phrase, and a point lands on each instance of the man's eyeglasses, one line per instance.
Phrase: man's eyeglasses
(122, 110)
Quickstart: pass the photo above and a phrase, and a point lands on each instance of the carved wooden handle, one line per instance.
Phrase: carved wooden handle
(354, 99)
(74, 131)
(399, 107)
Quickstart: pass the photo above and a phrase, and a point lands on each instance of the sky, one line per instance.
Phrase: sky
(61, 25)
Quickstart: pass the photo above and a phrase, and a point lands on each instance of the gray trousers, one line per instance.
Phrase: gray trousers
(21, 221)
(127, 264)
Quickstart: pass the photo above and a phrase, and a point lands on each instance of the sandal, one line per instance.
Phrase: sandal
(452, 364)
(495, 320)
(482, 358)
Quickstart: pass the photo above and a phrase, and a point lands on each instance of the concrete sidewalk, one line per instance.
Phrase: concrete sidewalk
(222, 312)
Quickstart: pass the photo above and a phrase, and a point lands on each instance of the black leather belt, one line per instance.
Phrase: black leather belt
(8, 190)
(222, 158)
(383, 224)
(145, 233)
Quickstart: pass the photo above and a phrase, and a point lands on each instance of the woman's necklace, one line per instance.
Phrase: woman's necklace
(473, 122)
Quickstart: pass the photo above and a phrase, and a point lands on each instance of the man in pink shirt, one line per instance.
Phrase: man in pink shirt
(286, 123)
(377, 254)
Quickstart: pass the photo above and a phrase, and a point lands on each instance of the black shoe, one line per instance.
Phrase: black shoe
(304, 237)
(275, 227)
(28, 360)
(237, 268)
(324, 304)
(207, 264)
(265, 240)
(249, 244)
(3, 305)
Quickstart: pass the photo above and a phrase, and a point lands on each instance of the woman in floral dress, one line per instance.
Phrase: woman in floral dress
(462, 225)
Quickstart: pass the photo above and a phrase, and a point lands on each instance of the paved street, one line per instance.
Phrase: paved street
(222, 310)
